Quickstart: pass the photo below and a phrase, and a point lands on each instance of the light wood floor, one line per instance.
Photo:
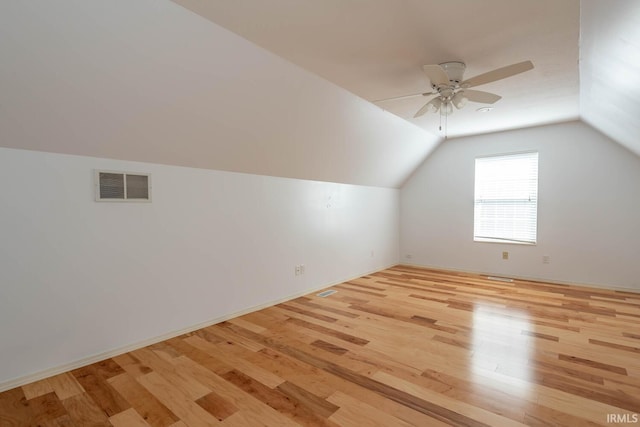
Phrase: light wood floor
(401, 347)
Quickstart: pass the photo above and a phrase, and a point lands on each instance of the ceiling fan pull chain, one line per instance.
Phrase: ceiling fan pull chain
(445, 125)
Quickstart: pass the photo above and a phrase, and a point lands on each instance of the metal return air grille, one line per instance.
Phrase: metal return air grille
(122, 187)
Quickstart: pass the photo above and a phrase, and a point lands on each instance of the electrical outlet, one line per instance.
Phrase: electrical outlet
(546, 259)
(408, 256)
(505, 255)
(302, 268)
(298, 270)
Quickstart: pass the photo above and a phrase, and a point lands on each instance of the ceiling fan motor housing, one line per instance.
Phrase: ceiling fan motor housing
(455, 71)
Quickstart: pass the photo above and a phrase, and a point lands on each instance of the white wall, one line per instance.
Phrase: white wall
(588, 212)
(151, 81)
(79, 278)
(610, 69)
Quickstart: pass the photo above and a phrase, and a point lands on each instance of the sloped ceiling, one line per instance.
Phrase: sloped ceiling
(610, 69)
(148, 80)
(376, 49)
(586, 54)
(151, 80)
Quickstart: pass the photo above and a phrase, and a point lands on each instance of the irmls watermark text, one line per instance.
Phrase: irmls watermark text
(623, 418)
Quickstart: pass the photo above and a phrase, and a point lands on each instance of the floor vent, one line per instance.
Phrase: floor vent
(326, 293)
(500, 279)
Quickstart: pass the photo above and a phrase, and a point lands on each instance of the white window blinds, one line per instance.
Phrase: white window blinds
(506, 198)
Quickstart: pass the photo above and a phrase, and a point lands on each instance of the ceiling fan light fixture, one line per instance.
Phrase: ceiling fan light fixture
(434, 105)
(459, 100)
(446, 108)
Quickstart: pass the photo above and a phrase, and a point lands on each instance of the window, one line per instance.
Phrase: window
(119, 186)
(506, 199)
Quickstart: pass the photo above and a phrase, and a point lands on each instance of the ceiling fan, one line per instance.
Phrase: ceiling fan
(451, 90)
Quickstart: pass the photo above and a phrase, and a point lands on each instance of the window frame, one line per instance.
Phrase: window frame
(503, 240)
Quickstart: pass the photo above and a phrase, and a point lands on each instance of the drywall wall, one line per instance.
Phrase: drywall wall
(148, 80)
(80, 277)
(610, 69)
(589, 205)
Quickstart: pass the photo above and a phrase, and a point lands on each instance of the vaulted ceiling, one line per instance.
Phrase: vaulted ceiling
(610, 69)
(284, 87)
(376, 49)
(149, 80)
(586, 54)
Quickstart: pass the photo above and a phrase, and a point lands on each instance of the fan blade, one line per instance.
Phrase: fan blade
(434, 103)
(404, 97)
(436, 74)
(482, 97)
(499, 74)
(421, 111)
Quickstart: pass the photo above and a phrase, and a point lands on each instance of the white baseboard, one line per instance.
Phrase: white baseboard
(528, 278)
(20, 381)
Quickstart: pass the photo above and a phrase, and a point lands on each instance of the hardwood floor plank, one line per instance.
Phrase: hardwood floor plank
(319, 406)
(186, 384)
(631, 335)
(230, 337)
(402, 346)
(199, 356)
(291, 307)
(106, 369)
(177, 402)
(84, 412)
(593, 364)
(354, 413)
(217, 406)
(107, 398)
(144, 402)
(63, 421)
(444, 408)
(46, 407)
(36, 389)
(327, 346)
(328, 331)
(14, 408)
(616, 346)
(248, 405)
(281, 402)
(248, 325)
(131, 365)
(307, 301)
(65, 385)
(265, 377)
(128, 418)
(293, 370)
(399, 396)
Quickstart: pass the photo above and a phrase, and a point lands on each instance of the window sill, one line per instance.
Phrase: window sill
(504, 242)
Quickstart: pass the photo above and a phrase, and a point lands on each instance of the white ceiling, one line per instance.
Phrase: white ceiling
(586, 54)
(376, 49)
(155, 82)
(610, 69)
(148, 80)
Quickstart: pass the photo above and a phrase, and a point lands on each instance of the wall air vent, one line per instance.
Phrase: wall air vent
(122, 186)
